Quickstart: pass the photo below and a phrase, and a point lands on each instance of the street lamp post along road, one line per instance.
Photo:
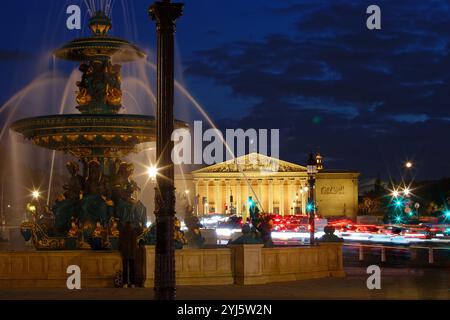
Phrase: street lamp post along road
(312, 171)
(165, 14)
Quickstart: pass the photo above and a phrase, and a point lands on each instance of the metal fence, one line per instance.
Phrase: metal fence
(412, 250)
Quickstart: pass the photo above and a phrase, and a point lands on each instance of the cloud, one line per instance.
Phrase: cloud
(362, 88)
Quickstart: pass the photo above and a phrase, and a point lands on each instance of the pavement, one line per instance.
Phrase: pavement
(396, 284)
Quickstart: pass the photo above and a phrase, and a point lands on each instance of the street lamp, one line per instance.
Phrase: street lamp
(408, 172)
(311, 169)
(417, 206)
(152, 172)
(407, 192)
(36, 194)
(165, 14)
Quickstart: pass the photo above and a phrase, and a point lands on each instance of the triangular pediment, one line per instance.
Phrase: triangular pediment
(253, 162)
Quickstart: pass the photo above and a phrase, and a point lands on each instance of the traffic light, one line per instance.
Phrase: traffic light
(251, 203)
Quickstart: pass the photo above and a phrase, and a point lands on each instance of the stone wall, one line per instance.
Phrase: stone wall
(47, 269)
(195, 266)
(238, 264)
(252, 264)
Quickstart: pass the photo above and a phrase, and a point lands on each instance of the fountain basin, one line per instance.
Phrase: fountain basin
(80, 134)
(85, 49)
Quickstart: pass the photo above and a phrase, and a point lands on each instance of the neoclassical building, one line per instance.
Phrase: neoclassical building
(277, 186)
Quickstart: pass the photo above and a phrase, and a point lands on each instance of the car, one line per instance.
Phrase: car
(231, 222)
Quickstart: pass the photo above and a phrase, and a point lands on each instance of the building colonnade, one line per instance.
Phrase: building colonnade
(283, 195)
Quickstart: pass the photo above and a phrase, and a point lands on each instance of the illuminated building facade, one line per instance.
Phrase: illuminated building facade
(277, 186)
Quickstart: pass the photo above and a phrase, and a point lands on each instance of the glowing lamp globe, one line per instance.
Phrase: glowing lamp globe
(152, 172)
(35, 194)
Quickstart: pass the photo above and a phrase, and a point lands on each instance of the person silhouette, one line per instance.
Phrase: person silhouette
(128, 249)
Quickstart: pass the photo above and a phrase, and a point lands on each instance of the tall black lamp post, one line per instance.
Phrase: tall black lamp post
(311, 169)
(165, 14)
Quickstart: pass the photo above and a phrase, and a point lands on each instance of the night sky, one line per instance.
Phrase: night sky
(370, 100)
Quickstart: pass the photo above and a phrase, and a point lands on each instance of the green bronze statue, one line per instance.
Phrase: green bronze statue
(96, 204)
(68, 204)
(127, 206)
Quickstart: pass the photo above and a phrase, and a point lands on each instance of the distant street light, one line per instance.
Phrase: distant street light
(408, 164)
(152, 172)
(36, 194)
(407, 192)
(395, 193)
(417, 206)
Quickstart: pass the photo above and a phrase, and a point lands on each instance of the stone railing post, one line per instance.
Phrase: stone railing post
(247, 264)
(335, 258)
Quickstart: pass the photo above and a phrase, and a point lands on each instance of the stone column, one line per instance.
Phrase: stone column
(270, 196)
(197, 193)
(217, 202)
(238, 197)
(304, 196)
(355, 198)
(205, 208)
(260, 197)
(290, 196)
(281, 195)
(245, 200)
(165, 14)
(227, 193)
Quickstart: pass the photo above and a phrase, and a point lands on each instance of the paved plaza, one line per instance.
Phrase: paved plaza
(396, 283)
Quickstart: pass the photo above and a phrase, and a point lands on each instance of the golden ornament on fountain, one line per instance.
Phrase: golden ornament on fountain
(114, 231)
(73, 232)
(98, 232)
(83, 98)
(113, 96)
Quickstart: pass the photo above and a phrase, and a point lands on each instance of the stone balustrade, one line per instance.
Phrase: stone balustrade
(252, 264)
(47, 269)
(237, 264)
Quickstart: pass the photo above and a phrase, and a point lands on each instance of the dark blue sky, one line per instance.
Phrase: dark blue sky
(369, 99)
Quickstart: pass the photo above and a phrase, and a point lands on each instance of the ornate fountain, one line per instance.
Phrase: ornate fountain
(100, 194)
